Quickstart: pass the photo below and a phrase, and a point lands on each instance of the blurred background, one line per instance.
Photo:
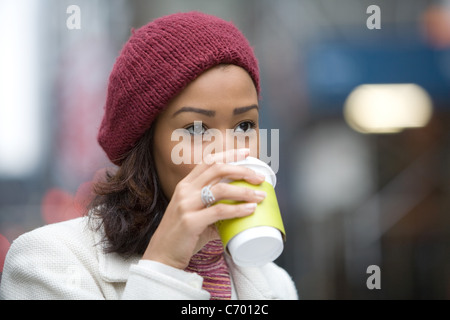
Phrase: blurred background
(361, 98)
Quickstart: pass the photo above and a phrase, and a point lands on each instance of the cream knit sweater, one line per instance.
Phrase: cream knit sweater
(65, 261)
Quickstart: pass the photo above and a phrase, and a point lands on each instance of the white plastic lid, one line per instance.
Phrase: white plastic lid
(256, 246)
(260, 167)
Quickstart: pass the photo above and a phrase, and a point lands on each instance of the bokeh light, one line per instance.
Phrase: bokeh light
(387, 108)
(59, 205)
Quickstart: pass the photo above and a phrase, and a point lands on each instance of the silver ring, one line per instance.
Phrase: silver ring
(207, 196)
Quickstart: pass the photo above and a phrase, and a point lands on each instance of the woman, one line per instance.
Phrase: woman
(151, 233)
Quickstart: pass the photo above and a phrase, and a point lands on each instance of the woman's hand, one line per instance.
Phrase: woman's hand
(187, 225)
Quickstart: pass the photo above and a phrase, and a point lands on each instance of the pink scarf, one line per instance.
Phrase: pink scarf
(210, 263)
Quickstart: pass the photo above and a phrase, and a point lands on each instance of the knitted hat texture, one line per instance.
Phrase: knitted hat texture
(158, 61)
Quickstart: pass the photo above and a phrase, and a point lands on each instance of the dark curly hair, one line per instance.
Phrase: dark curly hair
(129, 202)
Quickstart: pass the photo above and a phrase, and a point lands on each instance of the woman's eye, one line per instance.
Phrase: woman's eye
(244, 126)
(196, 128)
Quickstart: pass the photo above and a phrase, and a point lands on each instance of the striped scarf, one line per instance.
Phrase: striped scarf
(210, 263)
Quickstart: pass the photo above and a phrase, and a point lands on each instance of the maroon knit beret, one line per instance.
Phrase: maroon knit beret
(157, 62)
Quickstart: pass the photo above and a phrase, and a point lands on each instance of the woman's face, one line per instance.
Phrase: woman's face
(216, 112)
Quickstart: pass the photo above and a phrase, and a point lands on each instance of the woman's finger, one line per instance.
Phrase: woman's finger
(222, 191)
(223, 211)
(217, 172)
(220, 157)
(230, 155)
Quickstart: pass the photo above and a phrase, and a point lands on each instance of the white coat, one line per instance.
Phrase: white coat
(65, 261)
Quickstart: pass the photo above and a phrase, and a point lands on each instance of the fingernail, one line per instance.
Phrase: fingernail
(250, 207)
(244, 151)
(260, 194)
(261, 176)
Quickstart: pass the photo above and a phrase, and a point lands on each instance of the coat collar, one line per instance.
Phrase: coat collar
(115, 268)
(112, 266)
(250, 283)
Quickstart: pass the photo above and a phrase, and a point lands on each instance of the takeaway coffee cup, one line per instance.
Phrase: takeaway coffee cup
(258, 238)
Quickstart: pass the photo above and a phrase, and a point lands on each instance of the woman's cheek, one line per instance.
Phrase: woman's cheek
(254, 145)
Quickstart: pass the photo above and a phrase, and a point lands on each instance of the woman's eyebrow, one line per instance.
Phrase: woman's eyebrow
(209, 113)
(241, 110)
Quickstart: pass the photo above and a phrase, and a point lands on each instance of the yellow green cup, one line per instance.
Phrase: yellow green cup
(258, 238)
